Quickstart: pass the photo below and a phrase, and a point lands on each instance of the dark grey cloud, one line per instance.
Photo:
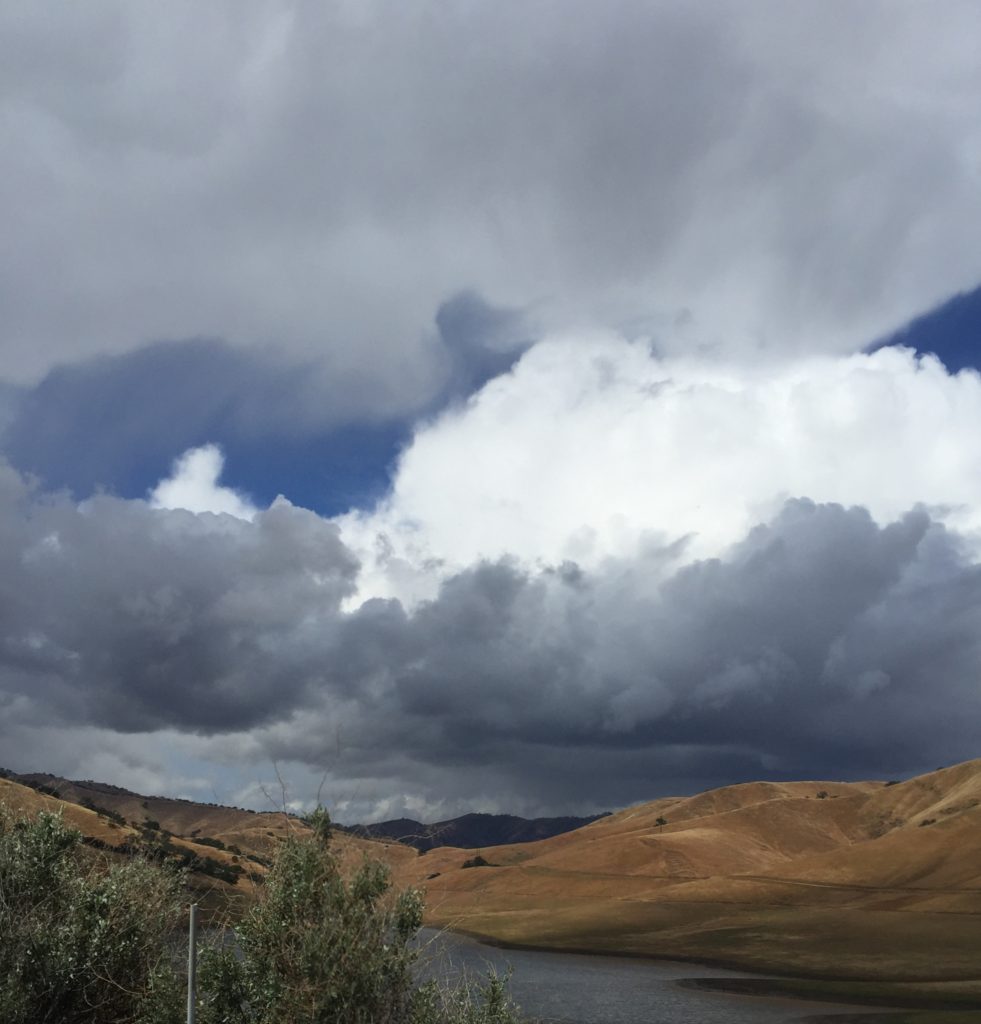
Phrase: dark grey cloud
(116, 615)
(320, 177)
(481, 341)
(823, 644)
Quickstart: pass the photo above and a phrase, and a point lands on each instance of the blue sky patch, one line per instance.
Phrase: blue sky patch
(951, 331)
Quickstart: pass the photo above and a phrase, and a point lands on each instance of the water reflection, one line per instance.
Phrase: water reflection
(576, 989)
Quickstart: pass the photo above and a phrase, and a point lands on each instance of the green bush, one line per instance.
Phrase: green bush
(477, 862)
(208, 841)
(82, 940)
(485, 1002)
(320, 948)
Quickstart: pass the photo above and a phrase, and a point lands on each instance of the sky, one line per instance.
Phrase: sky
(530, 407)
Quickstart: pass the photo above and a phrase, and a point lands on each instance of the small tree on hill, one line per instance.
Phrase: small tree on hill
(660, 821)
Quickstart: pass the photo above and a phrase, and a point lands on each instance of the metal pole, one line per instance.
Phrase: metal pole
(192, 963)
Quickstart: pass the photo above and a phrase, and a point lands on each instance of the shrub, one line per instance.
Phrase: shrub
(82, 941)
(477, 861)
(208, 841)
(87, 941)
(320, 948)
(316, 947)
(469, 1003)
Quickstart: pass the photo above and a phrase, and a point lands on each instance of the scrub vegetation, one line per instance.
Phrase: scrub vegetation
(91, 938)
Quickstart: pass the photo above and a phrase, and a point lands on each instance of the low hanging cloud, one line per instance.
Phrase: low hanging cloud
(821, 644)
(122, 615)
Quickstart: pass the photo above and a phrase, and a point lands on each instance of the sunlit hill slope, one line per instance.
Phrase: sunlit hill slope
(227, 850)
(864, 880)
(850, 880)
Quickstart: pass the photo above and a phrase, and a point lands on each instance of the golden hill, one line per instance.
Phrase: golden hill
(862, 880)
(25, 800)
(223, 877)
(230, 848)
(256, 833)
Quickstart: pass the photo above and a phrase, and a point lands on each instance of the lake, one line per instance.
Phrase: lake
(581, 989)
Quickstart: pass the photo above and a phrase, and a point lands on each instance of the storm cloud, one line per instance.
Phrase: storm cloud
(130, 617)
(322, 177)
(822, 643)
(555, 323)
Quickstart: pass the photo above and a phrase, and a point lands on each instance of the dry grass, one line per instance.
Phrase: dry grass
(245, 835)
(762, 876)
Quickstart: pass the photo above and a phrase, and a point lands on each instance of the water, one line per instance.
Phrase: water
(579, 989)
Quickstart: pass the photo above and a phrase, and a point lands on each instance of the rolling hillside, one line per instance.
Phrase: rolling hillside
(227, 849)
(857, 880)
(865, 880)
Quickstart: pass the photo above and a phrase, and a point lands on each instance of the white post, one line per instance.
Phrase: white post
(192, 963)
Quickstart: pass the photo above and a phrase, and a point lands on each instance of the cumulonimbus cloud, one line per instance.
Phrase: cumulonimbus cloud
(722, 547)
(806, 636)
(596, 447)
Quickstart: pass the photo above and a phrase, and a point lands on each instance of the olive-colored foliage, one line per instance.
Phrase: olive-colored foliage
(82, 940)
(318, 947)
(87, 941)
(469, 1003)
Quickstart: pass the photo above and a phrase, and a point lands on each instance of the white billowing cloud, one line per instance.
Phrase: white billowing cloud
(193, 485)
(594, 448)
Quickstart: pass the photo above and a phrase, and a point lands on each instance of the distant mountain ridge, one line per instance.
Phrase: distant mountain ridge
(471, 831)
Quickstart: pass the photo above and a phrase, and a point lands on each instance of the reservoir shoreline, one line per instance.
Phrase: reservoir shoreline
(773, 982)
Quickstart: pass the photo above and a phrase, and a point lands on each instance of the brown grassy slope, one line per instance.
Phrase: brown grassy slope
(24, 800)
(181, 817)
(251, 834)
(115, 838)
(256, 833)
(762, 875)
